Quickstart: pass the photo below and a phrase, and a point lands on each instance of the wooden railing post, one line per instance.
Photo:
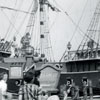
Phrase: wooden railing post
(90, 90)
(0, 94)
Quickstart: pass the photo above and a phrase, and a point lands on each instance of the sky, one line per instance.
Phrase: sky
(61, 26)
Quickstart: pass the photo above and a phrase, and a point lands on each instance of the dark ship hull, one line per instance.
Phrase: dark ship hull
(77, 70)
(84, 63)
(5, 66)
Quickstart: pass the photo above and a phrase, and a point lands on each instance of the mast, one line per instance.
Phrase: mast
(45, 46)
(45, 43)
(42, 26)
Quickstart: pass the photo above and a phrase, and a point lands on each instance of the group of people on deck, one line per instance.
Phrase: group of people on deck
(31, 89)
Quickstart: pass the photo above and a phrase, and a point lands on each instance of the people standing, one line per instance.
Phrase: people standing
(37, 82)
(85, 86)
(74, 92)
(67, 89)
(28, 91)
(64, 91)
(3, 85)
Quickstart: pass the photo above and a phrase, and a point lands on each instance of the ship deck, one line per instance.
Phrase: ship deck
(69, 98)
(94, 98)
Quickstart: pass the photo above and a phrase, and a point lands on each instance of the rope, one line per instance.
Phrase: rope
(10, 21)
(14, 19)
(83, 33)
(17, 10)
(79, 21)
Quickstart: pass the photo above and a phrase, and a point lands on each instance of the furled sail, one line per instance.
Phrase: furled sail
(35, 6)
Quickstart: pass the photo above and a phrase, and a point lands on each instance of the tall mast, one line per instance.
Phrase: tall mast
(26, 39)
(45, 43)
(45, 46)
(42, 26)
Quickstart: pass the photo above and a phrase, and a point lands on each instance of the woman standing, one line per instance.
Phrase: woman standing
(3, 85)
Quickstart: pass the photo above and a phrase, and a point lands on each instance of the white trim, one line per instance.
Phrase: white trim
(4, 68)
(94, 97)
(79, 72)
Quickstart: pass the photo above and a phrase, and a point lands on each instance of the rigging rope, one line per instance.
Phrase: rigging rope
(92, 26)
(77, 27)
(24, 18)
(10, 21)
(13, 19)
(15, 9)
(74, 23)
(79, 21)
(17, 30)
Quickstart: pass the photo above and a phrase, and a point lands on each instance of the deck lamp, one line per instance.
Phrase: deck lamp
(69, 46)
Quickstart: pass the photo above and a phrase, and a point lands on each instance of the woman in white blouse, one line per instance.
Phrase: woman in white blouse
(3, 85)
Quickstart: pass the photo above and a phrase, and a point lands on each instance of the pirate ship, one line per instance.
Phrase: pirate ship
(84, 62)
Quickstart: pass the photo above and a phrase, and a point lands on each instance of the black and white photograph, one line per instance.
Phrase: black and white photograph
(49, 49)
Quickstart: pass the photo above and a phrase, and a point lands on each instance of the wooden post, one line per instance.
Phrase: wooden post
(0, 94)
(84, 92)
(90, 90)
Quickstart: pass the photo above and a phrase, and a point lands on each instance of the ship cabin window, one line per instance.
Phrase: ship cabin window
(86, 67)
(41, 9)
(69, 68)
(99, 53)
(92, 67)
(74, 68)
(81, 66)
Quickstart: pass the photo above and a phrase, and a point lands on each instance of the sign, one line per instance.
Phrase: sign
(49, 78)
(15, 72)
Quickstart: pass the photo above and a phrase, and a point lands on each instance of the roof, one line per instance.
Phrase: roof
(4, 66)
(10, 60)
(41, 66)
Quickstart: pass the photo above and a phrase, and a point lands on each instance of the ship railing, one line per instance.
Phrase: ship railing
(5, 46)
(97, 97)
(82, 54)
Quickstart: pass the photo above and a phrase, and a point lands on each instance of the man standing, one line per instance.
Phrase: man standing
(74, 92)
(85, 86)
